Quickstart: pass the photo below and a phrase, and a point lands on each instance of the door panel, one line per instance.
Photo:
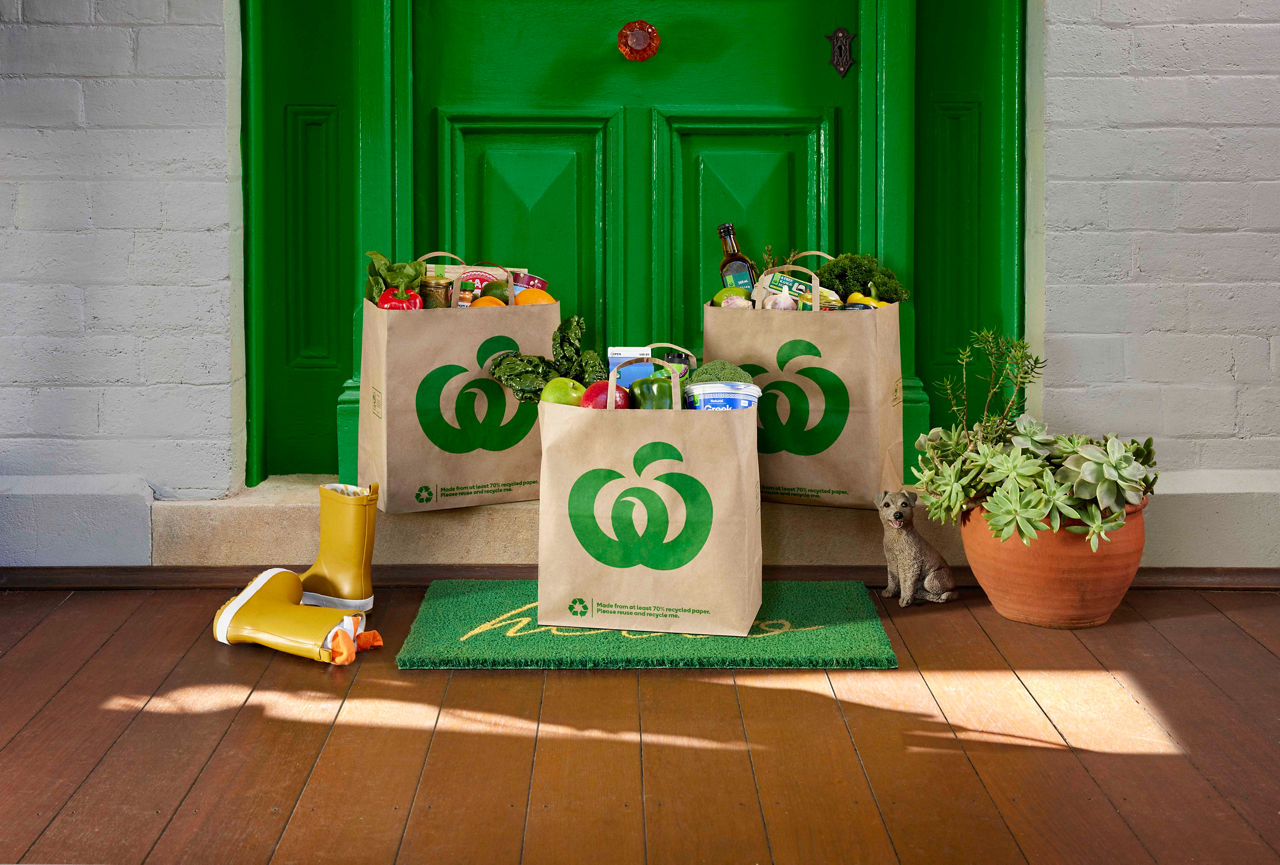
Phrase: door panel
(532, 192)
(968, 183)
(739, 118)
(768, 176)
(300, 245)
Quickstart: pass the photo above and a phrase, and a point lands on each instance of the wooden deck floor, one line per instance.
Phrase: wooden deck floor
(128, 735)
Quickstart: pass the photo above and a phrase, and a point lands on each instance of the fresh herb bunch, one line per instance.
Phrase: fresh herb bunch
(1024, 479)
(527, 374)
(383, 275)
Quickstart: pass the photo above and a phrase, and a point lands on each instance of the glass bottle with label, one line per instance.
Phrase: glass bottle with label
(735, 268)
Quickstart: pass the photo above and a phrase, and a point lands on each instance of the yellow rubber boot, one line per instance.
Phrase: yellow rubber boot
(269, 612)
(341, 576)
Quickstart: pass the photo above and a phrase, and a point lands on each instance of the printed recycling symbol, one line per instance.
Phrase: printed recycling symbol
(577, 607)
(424, 495)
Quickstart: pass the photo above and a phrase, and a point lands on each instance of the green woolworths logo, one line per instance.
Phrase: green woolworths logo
(791, 435)
(628, 548)
(472, 431)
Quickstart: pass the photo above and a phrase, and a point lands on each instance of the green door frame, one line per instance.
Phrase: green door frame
(381, 38)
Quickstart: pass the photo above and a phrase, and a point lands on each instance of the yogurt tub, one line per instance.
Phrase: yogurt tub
(721, 395)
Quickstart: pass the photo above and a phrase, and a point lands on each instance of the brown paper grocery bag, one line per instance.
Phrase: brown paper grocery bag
(649, 520)
(436, 431)
(830, 414)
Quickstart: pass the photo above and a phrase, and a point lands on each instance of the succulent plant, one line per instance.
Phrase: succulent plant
(1013, 509)
(1023, 478)
(1095, 526)
(947, 490)
(1011, 464)
(1032, 436)
(1058, 498)
(1110, 474)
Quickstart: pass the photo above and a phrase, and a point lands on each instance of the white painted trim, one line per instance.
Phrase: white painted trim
(1033, 189)
(314, 599)
(228, 613)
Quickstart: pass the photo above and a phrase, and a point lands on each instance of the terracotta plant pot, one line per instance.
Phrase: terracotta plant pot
(1058, 581)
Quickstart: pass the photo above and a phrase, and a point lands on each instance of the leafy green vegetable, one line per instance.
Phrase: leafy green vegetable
(566, 342)
(527, 374)
(383, 275)
(848, 273)
(719, 370)
(588, 368)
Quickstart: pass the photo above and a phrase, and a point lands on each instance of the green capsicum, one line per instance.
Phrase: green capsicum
(652, 392)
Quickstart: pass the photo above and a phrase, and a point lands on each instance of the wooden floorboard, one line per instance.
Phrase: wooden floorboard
(1176, 813)
(1258, 613)
(44, 763)
(700, 797)
(1054, 808)
(52, 652)
(356, 801)
(133, 735)
(143, 778)
(1243, 668)
(586, 796)
(926, 788)
(20, 612)
(473, 798)
(1217, 736)
(817, 804)
(242, 798)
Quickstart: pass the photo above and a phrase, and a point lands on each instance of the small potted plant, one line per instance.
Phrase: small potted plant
(1052, 525)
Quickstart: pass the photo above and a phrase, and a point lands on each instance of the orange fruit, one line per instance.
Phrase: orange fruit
(533, 295)
(486, 301)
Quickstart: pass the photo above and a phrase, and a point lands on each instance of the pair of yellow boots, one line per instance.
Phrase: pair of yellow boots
(319, 614)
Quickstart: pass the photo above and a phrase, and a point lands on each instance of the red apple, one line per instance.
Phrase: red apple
(597, 396)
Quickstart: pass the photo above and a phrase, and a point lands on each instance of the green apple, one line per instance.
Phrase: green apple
(563, 390)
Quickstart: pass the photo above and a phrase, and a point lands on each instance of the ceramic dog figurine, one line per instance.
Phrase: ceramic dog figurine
(917, 572)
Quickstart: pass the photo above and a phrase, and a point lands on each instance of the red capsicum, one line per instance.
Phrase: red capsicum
(399, 297)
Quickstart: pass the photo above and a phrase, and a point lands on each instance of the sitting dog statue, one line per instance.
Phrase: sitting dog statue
(917, 572)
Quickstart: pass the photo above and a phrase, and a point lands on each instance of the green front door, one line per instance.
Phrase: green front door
(545, 148)
(516, 132)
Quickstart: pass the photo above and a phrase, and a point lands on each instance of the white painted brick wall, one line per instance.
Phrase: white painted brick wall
(1162, 216)
(116, 244)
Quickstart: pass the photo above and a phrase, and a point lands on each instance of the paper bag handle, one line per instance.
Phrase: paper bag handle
(693, 361)
(815, 294)
(457, 285)
(809, 252)
(434, 254)
(676, 401)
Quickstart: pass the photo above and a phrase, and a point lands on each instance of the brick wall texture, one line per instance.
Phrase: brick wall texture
(116, 345)
(1162, 216)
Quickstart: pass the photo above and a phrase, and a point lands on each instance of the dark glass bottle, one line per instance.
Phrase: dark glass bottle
(735, 269)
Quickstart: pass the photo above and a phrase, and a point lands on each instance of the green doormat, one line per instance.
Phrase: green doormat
(494, 623)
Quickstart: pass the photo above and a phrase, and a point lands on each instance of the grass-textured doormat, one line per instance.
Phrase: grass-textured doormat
(494, 623)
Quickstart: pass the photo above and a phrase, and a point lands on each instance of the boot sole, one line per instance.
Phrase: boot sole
(317, 600)
(222, 623)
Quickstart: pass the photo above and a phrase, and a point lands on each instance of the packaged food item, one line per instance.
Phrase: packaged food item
(721, 396)
(435, 291)
(521, 281)
(781, 288)
(629, 375)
